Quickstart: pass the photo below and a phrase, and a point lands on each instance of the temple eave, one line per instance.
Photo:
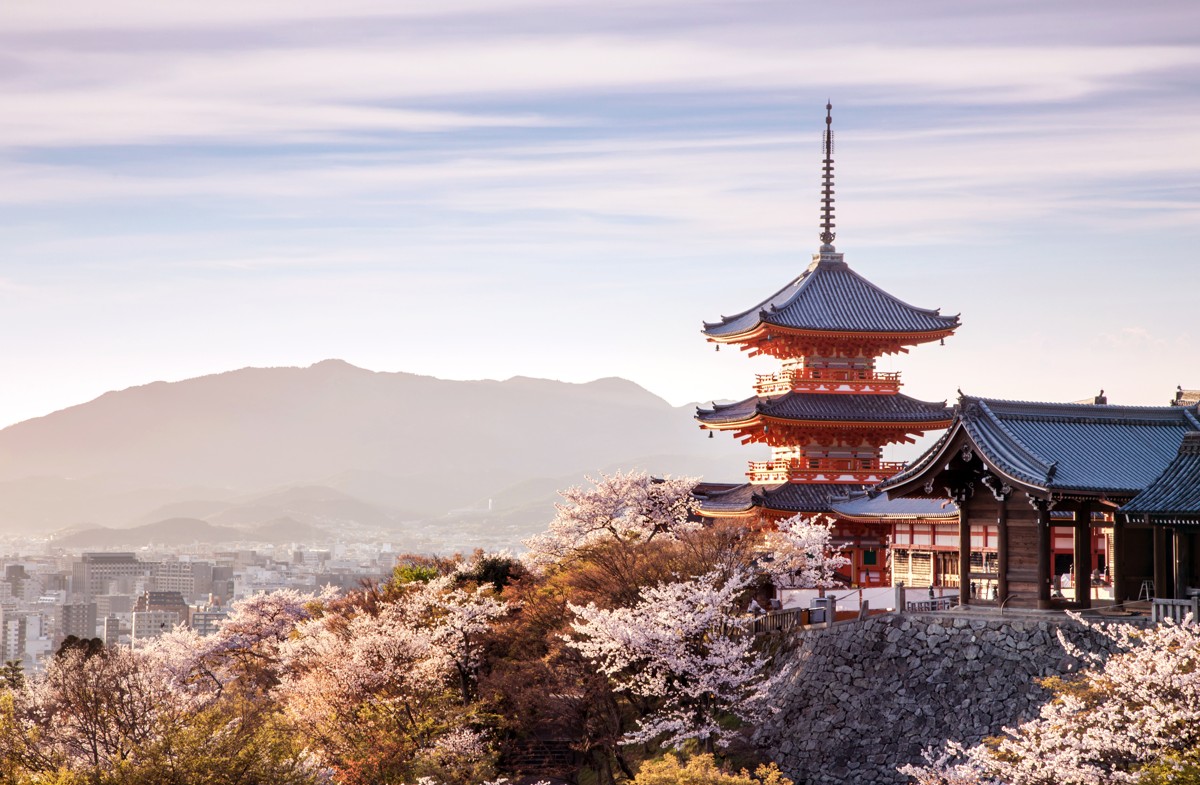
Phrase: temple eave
(764, 333)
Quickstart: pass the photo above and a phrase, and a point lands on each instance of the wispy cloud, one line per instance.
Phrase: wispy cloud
(377, 161)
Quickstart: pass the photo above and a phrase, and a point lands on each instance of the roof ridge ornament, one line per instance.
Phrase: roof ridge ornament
(827, 224)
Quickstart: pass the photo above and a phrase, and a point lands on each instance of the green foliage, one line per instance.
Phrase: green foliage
(413, 573)
(703, 770)
(88, 647)
(492, 568)
(12, 675)
(232, 742)
(1173, 769)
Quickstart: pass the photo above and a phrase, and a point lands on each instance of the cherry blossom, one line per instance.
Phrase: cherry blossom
(632, 507)
(801, 554)
(1111, 724)
(684, 644)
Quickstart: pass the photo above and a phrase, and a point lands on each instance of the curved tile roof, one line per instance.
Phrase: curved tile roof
(786, 497)
(830, 296)
(1066, 446)
(1176, 492)
(882, 507)
(842, 407)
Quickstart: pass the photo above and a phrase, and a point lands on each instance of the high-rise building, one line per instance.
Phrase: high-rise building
(78, 619)
(108, 573)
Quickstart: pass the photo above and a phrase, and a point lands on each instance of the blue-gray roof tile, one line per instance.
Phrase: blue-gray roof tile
(1175, 495)
(841, 407)
(828, 295)
(1066, 446)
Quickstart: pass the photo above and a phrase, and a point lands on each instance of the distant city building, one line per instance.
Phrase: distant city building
(190, 578)
(113, 604)
(170, 601)
(108, 573)
(78, 619)
(207, 619)
(12, 634)
(112, 631)
(148, 625)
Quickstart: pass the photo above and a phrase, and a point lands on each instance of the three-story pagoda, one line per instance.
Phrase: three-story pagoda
(828, 412)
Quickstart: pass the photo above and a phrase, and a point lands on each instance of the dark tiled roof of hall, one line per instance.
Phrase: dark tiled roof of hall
(879, 506)
(830, 296)
(839, 407)
(787, 497)
(1177, 491)
(1065, 446)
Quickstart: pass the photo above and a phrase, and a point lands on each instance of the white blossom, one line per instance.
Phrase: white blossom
(624, 507)
(685, 644)
(801, 554)
(1141, 707)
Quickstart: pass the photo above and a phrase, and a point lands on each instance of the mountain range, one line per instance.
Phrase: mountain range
(333, 446)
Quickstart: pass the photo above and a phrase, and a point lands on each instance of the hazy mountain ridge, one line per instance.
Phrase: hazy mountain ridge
(385, 449)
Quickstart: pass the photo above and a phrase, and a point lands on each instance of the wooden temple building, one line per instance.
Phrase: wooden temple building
(827, 413)
(1039, 489)
(1170, 507)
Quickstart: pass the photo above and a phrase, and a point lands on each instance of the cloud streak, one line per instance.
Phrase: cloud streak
(534, 163)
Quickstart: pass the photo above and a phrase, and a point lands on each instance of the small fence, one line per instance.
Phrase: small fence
(936, 604)
(1175, 610)
(781, 621)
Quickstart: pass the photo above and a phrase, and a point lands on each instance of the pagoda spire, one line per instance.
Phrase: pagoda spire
(827, 224)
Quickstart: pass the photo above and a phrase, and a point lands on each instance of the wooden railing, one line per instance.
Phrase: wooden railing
(936, 604)
(781, 621)
(826, 470)
(1176, 610)
(808, 379)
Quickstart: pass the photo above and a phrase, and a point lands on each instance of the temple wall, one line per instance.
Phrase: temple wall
(869, 696)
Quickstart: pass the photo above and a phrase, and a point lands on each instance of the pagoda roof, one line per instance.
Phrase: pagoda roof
(1175, 496)
(1060, 447)
(1186, 397)
(788, 497)
(830, 297)
(827, 407)
(882, 508)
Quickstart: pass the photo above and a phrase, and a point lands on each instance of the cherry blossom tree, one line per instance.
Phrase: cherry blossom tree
(90, 711)
(1133, 719)
(625, 508)
(246, 646)
(801, 553)
(684, 645)
(384, 692)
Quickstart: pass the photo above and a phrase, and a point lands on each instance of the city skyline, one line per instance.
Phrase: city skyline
(567, 191)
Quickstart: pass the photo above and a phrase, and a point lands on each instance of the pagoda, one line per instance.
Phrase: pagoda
(828, 412)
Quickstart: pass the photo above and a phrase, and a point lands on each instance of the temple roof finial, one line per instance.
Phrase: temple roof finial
(827, 224)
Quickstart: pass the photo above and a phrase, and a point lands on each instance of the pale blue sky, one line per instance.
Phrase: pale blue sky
(476, 188)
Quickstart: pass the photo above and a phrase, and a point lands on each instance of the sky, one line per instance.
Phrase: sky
(488, 188)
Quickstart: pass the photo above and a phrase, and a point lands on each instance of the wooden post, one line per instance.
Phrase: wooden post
(1163, 586)
(1116, 570)
(1182, 558)
(1043, 558)
(1002, 551)
(964, 550)
(1083, 555)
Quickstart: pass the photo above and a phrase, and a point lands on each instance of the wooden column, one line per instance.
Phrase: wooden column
(964, 550)
(1083, 555)
(1163, 587)
(1182, 558)
(1043, 557)
(1002, 550)
(1116, 570)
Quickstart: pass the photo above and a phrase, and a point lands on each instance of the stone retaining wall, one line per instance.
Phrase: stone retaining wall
(867, 697)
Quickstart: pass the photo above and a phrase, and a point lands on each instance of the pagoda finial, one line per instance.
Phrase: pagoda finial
(827, 224)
